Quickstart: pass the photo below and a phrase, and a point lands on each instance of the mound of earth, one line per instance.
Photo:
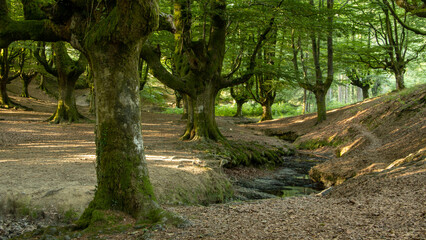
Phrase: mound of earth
(361, 138)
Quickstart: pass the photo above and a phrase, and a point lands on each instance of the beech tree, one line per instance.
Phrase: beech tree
(317, 83)
(67, 71)
(27, 75)
(361, 79)
(110, 34)
(241, 95)
(198, 63)
(394, 46)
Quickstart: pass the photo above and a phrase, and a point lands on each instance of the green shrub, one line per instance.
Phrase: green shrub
(170, 110)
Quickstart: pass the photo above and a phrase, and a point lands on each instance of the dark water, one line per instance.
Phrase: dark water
(290, 179)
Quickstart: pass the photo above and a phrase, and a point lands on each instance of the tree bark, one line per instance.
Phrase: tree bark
(266, 111)
(122, 173)
(304, 105)
(26, 80)
(365, 93)
(66, 110)
(239, 112)
(4, 98)
(399, 76)
(67, 71)
(321, 106)
(203, 125)
(110, 34)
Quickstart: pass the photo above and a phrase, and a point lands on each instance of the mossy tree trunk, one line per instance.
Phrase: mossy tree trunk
(203, 125)
(399, 77)
(5, 59)
(4, 98)
(265, 85)
(68, 71)
(122, 173)
(266, 110)
(321, 105)
(110, 34)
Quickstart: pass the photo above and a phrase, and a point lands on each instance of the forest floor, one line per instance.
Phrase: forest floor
(53, 167)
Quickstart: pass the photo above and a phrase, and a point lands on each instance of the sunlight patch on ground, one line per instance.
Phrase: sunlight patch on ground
(3, 161)
(349, 147)
(169, 158)
(347, 120)
(411, 173)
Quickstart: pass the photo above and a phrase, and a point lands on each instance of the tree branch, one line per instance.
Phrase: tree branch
(153, 60)
(415, 30)
(227, 81)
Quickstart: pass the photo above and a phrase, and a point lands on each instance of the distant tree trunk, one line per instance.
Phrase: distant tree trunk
(143, 69)
(304, 105)
(399, 76)
(321, 106)
(241, 95)
(266, 110)
(68, 72)
(376, 88)
(239, 112)
(26, 80)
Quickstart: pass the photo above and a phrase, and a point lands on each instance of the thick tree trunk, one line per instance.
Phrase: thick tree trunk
(68, 72)
(67, 108)
(266, 110)
(321, 106)
(122, 173)
(203, 125)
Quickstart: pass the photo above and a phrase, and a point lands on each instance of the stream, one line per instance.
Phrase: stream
(289, 179)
